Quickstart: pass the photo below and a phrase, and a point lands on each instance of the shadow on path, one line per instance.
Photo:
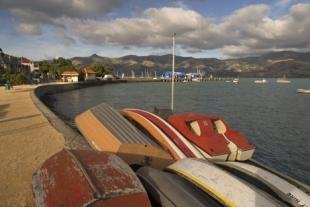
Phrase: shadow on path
(3, 110)
(18, 118)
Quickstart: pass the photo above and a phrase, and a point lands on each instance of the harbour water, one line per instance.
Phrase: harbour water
(273, 116)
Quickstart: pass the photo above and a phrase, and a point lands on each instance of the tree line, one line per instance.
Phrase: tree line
(52, 70)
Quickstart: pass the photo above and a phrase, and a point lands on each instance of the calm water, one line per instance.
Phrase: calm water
(273, 116)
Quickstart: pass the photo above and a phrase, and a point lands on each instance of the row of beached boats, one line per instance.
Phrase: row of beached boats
(142, 159)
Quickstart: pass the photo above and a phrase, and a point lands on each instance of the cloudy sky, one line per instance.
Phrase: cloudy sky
(41, 29)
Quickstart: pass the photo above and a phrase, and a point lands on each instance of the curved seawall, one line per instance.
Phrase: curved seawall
(73, 139)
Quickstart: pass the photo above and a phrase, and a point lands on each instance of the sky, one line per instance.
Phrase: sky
(46, 29)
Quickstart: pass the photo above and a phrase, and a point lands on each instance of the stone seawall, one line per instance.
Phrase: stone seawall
(73, 139)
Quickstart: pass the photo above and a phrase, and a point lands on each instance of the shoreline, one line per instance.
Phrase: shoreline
(22, 154)
(29, 134)
(27, 139)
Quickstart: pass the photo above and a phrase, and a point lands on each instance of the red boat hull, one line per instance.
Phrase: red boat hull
(81, 178)
(212, 135)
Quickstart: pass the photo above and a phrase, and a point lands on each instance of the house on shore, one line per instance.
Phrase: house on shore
(90, 74)
(70, 76)
(33, 66)
(12, 64)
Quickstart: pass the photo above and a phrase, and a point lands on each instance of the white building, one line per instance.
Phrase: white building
(90, 74)
(32, 65)
(70, 76)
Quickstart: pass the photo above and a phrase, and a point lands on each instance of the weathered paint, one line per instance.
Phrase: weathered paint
(106, 130)
(79, 178)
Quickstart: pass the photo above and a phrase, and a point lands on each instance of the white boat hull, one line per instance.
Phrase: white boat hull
(285, 190)
(301, 90)
(226, 188)
(260, 81)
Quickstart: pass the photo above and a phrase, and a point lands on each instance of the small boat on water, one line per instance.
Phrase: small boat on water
(235, 81)
(303, 90)
(196, 79)
(87, 178)
(223, 186)
(261, 81)
(107, 130)
(213, 135)
(283, 80)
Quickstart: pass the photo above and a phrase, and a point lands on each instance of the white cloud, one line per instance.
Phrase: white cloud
(32, 14)
(33, 29)
(61, 8)
(247, 31)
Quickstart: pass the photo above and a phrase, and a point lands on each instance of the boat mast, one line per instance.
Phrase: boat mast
(172, 76)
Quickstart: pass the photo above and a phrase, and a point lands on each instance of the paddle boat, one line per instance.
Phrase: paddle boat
(107, 130)
(87, 178)
(213, 135)
(189, 148)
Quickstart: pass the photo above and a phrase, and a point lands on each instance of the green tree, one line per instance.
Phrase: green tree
(44, 66)
(20, 79)
(103, 68)
(56, 67)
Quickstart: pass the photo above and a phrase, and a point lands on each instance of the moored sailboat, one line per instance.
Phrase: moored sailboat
(283, 80)
(236, 81)
(261, 81)
(303, 90)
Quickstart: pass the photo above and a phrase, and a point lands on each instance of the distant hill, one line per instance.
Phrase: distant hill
(274, 64)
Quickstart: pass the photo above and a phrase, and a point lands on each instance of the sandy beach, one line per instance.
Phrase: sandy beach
(26, 140)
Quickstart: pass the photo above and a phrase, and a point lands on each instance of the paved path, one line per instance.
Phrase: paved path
(26, 140)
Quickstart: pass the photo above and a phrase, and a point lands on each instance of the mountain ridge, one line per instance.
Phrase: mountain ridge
(272, 64)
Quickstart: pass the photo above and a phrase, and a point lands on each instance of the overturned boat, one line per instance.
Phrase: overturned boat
(213, 135)
(223, 186)
(87, 178)
(107, 130)
(187, 148)
(281, 186)
(154, 132)
(169, 189)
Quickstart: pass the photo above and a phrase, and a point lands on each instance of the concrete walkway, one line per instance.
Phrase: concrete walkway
(26, 140)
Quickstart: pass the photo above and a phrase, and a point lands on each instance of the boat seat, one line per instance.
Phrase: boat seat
(167, 189)
(220, 126)
(194, 126)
